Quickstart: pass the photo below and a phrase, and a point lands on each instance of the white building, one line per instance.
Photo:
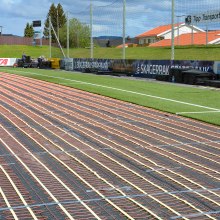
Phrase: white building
(165, 32)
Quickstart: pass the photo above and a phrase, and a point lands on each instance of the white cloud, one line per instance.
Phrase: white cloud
(141, 15)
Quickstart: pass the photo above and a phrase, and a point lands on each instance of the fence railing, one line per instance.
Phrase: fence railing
(117, 26)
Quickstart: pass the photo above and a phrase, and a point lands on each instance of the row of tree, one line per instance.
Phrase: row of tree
(58, 20)
(79, 33)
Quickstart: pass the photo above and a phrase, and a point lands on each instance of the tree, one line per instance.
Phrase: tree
(29, 30)
(52, 15)
(58, 20)
(61, 16)
(79, 34)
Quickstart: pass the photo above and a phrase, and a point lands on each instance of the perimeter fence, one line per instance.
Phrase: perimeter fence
(127, 29)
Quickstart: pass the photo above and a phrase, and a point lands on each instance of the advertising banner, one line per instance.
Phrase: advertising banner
(202, 65)
(151, 68)
(203, 18)
(92, 65)
(137, 68)
(7, 61)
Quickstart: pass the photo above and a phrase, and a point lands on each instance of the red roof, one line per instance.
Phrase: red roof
(156, 31)
(186, 39)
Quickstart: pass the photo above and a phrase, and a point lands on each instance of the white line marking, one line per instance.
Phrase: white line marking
(17, 190)
(196, 215)
(126, 188)
(8, 204)
(33, 175)
(203, 112)
(108, 197)
(122, 90)
(73, 83)
(7, 164)
(162, 169)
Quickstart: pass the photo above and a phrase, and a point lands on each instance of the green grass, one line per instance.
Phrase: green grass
(181, 53)
(141, 92)
(17, 50)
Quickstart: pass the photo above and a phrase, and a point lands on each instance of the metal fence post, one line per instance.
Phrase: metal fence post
(172, 41)
(124, 28)
(67, 36)
(50, 37)
(91, 30)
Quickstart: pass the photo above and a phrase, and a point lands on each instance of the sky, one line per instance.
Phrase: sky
(141, 15)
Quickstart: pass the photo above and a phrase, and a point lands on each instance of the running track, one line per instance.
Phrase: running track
(69, 154)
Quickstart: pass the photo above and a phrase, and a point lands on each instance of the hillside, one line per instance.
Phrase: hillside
(181, 53)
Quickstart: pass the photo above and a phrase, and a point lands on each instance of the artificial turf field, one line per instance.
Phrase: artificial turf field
(202, 103)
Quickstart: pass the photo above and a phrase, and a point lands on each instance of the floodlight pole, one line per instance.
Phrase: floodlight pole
(41, 36)
(207, 33)
(192, 33)
(50, 39)
(67, 37)
(124, 27)
(58, 36)
(91, 30)
(172, 41)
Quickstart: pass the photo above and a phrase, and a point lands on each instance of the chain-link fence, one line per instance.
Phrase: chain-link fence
(197, 26)
(119, 29)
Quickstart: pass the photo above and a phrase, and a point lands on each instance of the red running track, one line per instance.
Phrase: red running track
(70, 154)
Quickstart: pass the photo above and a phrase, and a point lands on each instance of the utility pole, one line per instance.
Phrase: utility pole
(91, 30)
(124, 27)
(58, 25)
(192, 34)
(207, 36)
(68, 34)
(172, 41)
(50, 37)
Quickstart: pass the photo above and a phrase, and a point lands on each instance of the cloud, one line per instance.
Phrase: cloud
(141, 15)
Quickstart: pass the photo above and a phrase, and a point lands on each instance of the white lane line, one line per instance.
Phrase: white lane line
(71, 83)
(107, 148)
(162, 169)
(55, 152)
(111, 198)
(18, 193)
(202, 112)
(6, 164)
(122, 90)
(32, 174)
(8, 204)
(126, 188)
(194, 215)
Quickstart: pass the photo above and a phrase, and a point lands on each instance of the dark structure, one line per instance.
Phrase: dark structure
(189, 76)
(114, 41)
(9, 39)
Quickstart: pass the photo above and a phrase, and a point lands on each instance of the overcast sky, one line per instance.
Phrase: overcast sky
(141, 14)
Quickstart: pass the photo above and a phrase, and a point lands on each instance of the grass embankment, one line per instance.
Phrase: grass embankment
(167, 97)
(181, 53)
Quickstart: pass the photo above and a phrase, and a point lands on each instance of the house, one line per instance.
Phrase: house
(127, 45)
(200, 38)
(165, 32)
